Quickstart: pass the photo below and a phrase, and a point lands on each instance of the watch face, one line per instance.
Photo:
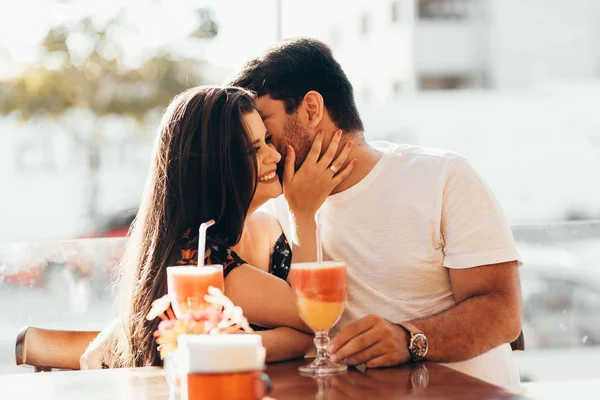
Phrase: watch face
(418, 345)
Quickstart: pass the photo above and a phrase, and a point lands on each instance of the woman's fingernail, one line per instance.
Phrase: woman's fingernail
(349, 144)
(354, 162)
(338, 133)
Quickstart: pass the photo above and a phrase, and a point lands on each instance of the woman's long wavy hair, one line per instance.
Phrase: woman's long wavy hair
(203, 167)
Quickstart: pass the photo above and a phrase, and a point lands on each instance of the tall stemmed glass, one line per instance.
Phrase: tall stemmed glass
(320, 293)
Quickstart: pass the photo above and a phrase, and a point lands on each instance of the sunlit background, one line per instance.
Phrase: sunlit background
(514, 85)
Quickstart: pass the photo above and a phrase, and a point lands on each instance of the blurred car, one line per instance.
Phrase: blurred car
(114, 225)
(561, 299)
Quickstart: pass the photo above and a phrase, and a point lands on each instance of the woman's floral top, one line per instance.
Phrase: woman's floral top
(281, 258)
(215, 253)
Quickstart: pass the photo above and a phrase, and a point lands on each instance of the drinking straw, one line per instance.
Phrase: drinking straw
(202, 241)
(319, 243)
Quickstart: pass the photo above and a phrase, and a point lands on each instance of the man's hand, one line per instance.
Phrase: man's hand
(372, 341)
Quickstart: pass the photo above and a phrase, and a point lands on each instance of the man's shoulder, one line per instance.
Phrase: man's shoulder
(416, 156)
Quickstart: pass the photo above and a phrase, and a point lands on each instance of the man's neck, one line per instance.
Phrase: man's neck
(366, 159)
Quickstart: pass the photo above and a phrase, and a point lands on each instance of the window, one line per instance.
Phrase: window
(445, 82)
(365, 24)
(445, 9)
(396, 11)
(336, 37)
(366, 93)
(397, 88)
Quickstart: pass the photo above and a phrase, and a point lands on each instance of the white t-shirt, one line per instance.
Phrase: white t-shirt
(418, 212)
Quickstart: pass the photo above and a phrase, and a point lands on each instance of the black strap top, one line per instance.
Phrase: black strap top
(281, 258)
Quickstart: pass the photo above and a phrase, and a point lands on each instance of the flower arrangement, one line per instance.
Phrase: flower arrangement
(221, 316)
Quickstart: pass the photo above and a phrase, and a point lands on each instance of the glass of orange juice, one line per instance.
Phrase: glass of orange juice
(320, 294)
(187, 285)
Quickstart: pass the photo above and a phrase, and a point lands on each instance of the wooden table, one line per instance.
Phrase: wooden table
(423, 381)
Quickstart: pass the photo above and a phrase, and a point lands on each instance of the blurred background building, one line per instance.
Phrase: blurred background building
(457, 44)
(82, 92)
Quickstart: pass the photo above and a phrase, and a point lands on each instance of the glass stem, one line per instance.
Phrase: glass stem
(321, 342)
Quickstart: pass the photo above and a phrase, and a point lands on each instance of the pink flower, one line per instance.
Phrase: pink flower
(159, 307)
(220, 317)
(167, 325)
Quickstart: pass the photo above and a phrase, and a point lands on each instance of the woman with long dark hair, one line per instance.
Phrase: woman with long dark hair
(212, 160)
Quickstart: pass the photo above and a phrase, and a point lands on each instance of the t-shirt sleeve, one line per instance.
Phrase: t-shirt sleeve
(473, 227)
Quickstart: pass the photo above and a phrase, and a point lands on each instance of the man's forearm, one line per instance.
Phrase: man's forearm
(470, 328)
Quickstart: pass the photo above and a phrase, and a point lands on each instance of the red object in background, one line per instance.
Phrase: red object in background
(33, 277)
(119, 232)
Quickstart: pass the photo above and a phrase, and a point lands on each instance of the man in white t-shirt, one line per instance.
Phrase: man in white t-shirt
(432, 264)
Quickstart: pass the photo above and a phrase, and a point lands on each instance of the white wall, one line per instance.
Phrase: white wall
(537, 41)
(539, 150)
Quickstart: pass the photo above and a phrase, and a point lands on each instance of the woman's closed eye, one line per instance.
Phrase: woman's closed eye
(268, 142)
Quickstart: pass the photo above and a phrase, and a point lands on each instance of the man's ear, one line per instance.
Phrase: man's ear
(314, 108)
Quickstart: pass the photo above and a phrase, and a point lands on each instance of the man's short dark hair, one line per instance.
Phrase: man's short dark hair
(294, 67)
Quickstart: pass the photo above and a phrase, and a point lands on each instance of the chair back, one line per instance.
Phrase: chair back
(47, 349)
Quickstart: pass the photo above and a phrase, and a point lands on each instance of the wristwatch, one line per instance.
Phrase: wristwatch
(417, 345)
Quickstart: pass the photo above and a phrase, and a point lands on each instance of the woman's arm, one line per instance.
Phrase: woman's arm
(93, 357)
(285, 343)
(266, 299)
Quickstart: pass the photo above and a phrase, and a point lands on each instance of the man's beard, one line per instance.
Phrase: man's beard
(297, 137)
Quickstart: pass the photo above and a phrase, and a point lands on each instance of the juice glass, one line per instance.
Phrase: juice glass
(188, 284)
(320, 293)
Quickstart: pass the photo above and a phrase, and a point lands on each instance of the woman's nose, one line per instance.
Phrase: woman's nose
(274, 155)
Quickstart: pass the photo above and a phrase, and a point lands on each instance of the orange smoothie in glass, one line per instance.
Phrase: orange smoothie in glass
(188, 284)
(320, 292)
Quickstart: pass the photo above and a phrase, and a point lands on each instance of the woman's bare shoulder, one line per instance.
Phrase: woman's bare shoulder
(261, 222)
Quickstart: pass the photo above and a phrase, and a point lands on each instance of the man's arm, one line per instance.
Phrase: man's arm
(487, 314)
